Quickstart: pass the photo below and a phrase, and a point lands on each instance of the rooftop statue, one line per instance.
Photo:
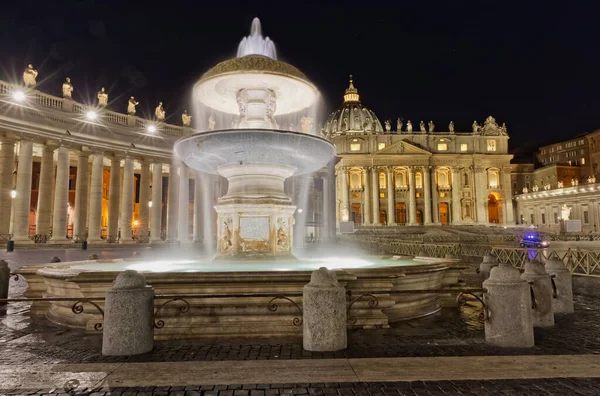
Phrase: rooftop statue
(29, 76)
(102, 98)
(306, 124)
(451, 126)
(491, 128)
(388, 125)
(476, 127)
(503, 129)
(131, 106)
(67, 89)
(186, 119)
(211, 123)
(526, 190)
(431, 126)
(422, 126)
(399, 125)
(160, 112)
(561, 184)
(408, 126)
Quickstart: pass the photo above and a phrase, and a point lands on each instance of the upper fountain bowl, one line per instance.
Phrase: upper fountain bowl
(218, 87)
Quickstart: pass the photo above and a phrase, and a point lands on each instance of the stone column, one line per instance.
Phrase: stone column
(44, 203)
(156, 210)
(375, 180)
(329, 211)
(114, 197)
(7, 166)
(144, 217)
(127, 202)
(183, 221)
(22, 202)
(456, 205)
(427, 194)
(345, 197)
(412, 204)
(81, 195)
(61, 198)
(172, 211)
(480, 194)
(391, 196)
(435, 199)
(208, 184)
(366, 196)
(95, 215)
(198, 206)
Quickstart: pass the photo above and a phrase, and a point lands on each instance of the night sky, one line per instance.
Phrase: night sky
(532, 65)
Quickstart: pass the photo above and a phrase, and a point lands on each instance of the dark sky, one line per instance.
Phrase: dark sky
(531, 64)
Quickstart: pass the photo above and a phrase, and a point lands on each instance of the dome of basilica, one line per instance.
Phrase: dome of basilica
(352, 116)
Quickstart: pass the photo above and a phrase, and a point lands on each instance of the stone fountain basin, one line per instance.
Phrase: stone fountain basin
(208, 151)
(240, 316)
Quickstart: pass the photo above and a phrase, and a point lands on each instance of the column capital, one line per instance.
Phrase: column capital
(506, 169)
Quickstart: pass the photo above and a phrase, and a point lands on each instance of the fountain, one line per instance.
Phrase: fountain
(255, 217)
(253, 95)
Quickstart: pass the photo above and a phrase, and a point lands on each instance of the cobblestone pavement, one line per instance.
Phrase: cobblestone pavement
(453, 333)
(557, 386)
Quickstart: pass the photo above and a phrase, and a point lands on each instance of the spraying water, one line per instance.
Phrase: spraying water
(256, 44)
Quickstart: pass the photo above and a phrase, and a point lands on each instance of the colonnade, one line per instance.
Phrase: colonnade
(53, 209)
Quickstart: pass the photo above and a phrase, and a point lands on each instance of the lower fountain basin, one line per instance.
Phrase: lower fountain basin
(235, 315)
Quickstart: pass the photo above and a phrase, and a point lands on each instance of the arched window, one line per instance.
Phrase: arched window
(418, 180)
(355, 180)
(401, 179)
(443, 178)
(493, 180)
(382, 180)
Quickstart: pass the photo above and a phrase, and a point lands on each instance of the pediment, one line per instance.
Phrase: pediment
(403, 147)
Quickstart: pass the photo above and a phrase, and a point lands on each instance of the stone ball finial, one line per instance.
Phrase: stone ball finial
(534, 267)
(130, 279)
(55, 260)
(323, 277)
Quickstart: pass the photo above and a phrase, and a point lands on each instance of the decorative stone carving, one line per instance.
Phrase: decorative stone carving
(186, 119)
(526, 190)
(451, 126)
(409, 127)
(211, 123)
(226, 244)
(67, 89)
(431, 126)
(422, 126)
(476, 127)
(131, 106)
(388, 125)
(282, 237)
(29, 76)
(560, 185)
(159, 112)
(565, 212)
(491, 128)
(102, 98)
(591, 179)
(306, 124)
(399, 125)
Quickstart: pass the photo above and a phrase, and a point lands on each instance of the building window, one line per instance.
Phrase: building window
(493, 178)
(491, 145)
(354, 146)
(442, 195)
(442, 146)
(464, 147)
(443, 178)
(531, 218)
(355, 180)
(543, 218)
(382, 180)
(400, 180)
(582, 162)
(418, 180)
(555, 217)
(380, 146)
(586, 218)
(418, 195)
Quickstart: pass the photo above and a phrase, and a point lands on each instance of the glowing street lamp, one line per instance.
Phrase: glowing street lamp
(13, 193)
(149, 204)
(91, 115)
(151, 128)
(19, 96)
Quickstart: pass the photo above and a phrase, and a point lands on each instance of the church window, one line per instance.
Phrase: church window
(400, 180)
(443, 178)
(418, 180)
(464, 147)
(491, 145)
(442, 147)
(582, 162)
(380, 146)
(355, 145)
(493, 178)
(382, 180)
(355, 180)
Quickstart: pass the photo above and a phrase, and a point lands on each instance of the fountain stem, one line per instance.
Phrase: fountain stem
(257, 107)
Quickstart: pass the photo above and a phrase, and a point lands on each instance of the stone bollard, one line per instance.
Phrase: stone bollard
(540, 282)
(324, 313)
(508, 300)
(563, 302)
(55, 260)
(486, 266)
(128, 316)
(4, 279)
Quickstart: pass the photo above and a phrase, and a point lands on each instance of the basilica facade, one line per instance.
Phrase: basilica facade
(418, 176)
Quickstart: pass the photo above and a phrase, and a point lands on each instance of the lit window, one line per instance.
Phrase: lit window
(463, 147)
(442, 146)
(354, 146)
(442, 195)
(381, 195)
(582, 161)
(355, 180)
(491, 145)
(418, 180)
(382, 180)
(418, 195)
(380, 146)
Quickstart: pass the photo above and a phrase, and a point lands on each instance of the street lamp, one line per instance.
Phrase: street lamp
(19, 96)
